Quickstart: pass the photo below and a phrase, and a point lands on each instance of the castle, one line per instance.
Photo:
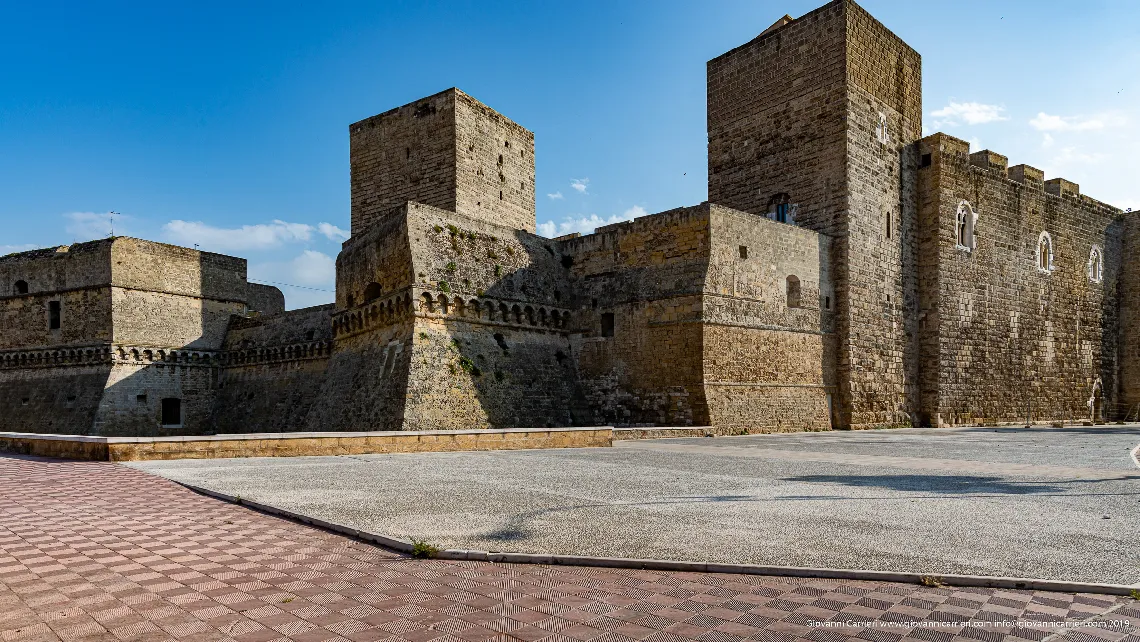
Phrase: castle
(846, 272)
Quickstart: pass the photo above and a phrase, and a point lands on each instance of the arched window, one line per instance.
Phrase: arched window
(21, 287)
(372, 292)
(1045, 253)
(1096, 265)
(964, 227)
(793, 291)
(426, 304)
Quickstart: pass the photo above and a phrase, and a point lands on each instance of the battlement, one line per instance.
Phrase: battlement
(945, 146)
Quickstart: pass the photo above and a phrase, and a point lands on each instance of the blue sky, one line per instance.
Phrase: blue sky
(225, 124)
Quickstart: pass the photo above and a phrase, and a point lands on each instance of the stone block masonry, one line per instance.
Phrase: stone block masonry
(845, 273)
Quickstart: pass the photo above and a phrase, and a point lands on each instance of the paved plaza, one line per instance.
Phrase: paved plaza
(101, 552)
(1040, 503)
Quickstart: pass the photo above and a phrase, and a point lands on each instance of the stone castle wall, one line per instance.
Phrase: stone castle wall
(490, 345)
(878, 362)
(1003, 340)
(273, 371)
(768, 326)
(648, 276)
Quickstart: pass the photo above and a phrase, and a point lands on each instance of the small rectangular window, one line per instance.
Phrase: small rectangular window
(172, 412)
(743, 251)
(53, 315)
(925, 161)
(782, 213)
(140, 400)
(607, 324)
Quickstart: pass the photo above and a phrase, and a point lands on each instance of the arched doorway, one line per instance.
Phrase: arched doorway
(1096, 403)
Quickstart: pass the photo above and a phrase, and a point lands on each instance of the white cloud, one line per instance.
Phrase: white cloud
(333, 232)
(1049, 123)
(557, 196)
(1072, 156)
(1047, 141)
(246, 237)
(313, 269)
(307, 279)
(587, 224)
(87, 226)
(967, 113)
(580, 184)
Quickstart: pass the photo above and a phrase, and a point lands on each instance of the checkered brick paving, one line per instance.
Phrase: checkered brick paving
(97, 551)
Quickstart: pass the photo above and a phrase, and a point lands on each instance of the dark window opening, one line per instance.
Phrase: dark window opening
(793, 291)
(372, 292)
(310, 335)
(501, 341)
(171, 412)
(21, 287)
(140, 400)
(567, 261)
(53, 315)
(888, 225)
(779, 206)
(827, 302)
(594, 303)
(925, 162)
(407, 152)
(743, 251)
(500, 195)
(607, 324)
(349, 301)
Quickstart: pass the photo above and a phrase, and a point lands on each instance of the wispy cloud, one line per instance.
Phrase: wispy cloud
(333, 232)
(580, 184)
(87, 226)
(967, 113)
(586, 224)
(1050, 123)
(313, 269)
(556, 196)
(262, 236)
(307, 279)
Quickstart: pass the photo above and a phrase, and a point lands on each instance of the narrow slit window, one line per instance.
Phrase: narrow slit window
(54, 315)
(607, 324)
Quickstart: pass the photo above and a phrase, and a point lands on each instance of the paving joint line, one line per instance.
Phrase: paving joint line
(927, 579)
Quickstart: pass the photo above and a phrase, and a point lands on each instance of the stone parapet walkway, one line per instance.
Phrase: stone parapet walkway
(98, 551)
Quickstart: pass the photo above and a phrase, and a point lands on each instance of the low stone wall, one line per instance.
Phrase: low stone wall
(300, 444)
(663, 432)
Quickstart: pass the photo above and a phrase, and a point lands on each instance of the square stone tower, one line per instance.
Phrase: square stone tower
(813, 123)
(449, 151)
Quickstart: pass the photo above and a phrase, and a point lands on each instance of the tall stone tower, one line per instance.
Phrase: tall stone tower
(814, 122)
(449, 151)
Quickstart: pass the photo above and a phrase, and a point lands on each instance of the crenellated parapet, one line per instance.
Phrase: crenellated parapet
(57, 357)
(940, 148)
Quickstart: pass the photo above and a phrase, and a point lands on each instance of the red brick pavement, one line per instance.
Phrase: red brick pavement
(97, 551)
